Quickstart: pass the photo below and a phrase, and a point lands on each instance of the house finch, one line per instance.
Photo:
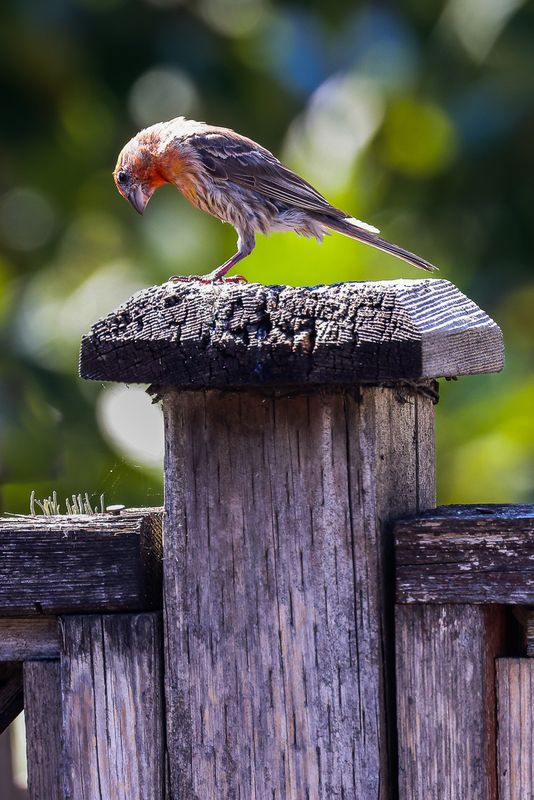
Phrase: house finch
(237, 181)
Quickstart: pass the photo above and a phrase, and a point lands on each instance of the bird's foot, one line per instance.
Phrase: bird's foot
(207, 279)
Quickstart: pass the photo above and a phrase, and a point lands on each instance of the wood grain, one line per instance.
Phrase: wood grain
(515, 696)
(42, 711)
(28, 638)
(466, 554)
(111, 681)
(278, 585)
(227, 335)
(53, 565)
(11, 693)
(446, 701)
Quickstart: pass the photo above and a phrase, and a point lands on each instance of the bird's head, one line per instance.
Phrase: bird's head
(136, 175)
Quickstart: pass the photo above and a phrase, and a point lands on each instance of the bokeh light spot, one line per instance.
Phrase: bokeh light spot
(180, 235)
(132, 424)
(341, 118)
(234, 17)
(26, 219)
(478, 23)
(54, 316)
(418, 138)
(87, 118)
(161, 94)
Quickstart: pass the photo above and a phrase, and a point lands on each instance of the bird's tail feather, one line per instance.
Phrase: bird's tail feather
(350, 227)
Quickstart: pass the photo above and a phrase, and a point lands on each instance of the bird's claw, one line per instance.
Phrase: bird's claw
(234, 279)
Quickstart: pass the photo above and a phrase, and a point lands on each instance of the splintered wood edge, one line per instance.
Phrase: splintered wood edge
(227, 335)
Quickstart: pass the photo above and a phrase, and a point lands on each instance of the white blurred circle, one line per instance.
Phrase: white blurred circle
(160, 94)
(132, 424)
(341, 118)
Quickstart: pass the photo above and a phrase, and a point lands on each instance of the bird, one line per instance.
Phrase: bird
(239, 182)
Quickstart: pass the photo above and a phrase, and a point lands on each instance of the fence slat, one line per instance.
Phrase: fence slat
(112, 707)
(515, 714)
(42, 710)
(446, 701)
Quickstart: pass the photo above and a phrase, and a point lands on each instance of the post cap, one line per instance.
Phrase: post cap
(193, 335)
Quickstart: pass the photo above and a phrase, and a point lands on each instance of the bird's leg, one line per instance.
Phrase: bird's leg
(245, 246)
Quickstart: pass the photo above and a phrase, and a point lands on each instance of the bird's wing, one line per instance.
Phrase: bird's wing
(230, 157)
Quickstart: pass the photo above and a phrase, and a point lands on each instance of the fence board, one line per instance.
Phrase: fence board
(42, 710)
(65, 564)
(515, 697)
(466, 554)
(27, 638)
(112, 707)
(446, 701)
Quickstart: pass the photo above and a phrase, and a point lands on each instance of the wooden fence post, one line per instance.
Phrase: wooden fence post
(298, 422)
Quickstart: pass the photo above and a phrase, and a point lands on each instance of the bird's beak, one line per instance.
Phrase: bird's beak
(138, 198)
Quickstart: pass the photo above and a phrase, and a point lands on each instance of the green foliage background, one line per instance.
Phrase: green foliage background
(417, 116)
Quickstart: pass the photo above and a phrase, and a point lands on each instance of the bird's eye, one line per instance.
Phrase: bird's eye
(122, 176)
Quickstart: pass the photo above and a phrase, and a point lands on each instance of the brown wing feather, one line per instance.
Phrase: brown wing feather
(230, 157)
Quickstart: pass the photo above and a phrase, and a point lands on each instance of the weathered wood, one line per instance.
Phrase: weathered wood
(111, 681)
(28, 638)
(525, 617)
(446, 701)
(515, 711)
(224, 335)
(466, 554)
(276, 584)
(42, 711)
(53, 565)
(11, 693)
